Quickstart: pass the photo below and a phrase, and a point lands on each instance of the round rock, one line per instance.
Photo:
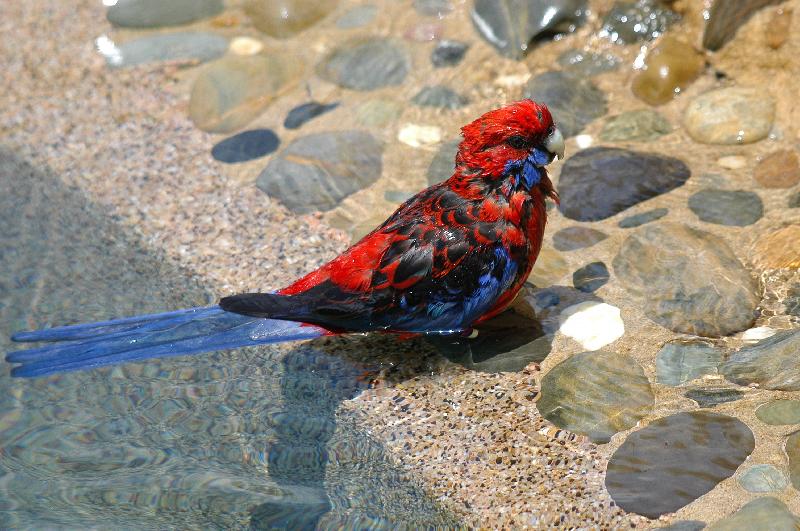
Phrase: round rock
(284, 18)
(771, 363)
(761, 513)
(675, 460)
(550, 268)
(439, 96)
(737, 208)
(316, 172)
(669, 68)
(590, 277)
(245, 146)
(573, 100)
(678, 362)
(306, 112)
(184, 47)
(572, 238)
(779, 412)
(448, 53)
(597, 394)
(592, 324)
(763, 478)
(641, 125)
(733, 115)
(157, 13)
(366, 64)
(640, 219)
(599, 182)
(688, 280)
(780, 169)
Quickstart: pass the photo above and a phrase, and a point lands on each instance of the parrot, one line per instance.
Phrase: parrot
(449, 258)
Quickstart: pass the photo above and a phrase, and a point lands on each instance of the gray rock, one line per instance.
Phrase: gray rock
(725, 17)
(511, 25)
(675, 460)
(443, 163)
(157, 13)
(684, 525)
(678, 363)
(687, 279)
(433, 8)
(366, 64)
(771, 363)
(316, 172)
(572, 238)
(763, 478)
(590, 277)
(712, 397)
(641, 125)
(306, 112)
(588, 64)
(573, 101)
(448, 53)
(597, 394)
(184, 46)
(631, 22)
(761, 513)
(779, 412)
(357, 17)
(439, 96)
(727, 207)
(600, 182)
(640, 219)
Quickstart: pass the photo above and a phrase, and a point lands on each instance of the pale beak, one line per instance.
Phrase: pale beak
(554, 143)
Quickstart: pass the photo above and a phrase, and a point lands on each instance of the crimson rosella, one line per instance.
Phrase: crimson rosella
(450, 257)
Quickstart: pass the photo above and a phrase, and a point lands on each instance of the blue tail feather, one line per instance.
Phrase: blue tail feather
(176, 333)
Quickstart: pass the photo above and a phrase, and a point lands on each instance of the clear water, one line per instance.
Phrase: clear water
(248, 438)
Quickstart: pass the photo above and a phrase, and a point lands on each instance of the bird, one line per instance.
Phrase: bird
(449, 258)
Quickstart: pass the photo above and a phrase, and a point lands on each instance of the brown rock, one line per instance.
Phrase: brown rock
(777, 31)
(725, 17)
(284, 18)
(779, 249)
(780, 169)
(670, 67)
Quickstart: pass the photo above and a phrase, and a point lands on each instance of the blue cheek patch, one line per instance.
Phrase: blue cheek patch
(529, 167)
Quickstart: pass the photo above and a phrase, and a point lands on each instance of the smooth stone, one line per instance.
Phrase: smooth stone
(357, 17)
(158, 13)
(678, 362)
(587, 64)
(590, 277)
(761, 513)
(638, 220)
(792, 449)
(779, 412)
(443, 163)
(546, 299)
(688, 280)
(599, 182)
(684, 525)
(641, 125)
(317, 171)
(378, 113)
(448, 53)
(439, 96)
(231, 92)
(725, 17)
(780, 169)
(778, 249)
(512, 25)
(366, 64)
(183, 47)
(572, 238)
(732, 115)
(668, 69)
(713, 397)
(433, 8)
(416, 135)
(423, 32)
(733, 162)
(597, 394)
(770, 363)
(573, 101)
(247, 145)
(246, 46)
(284, 18)
(640, 21)
(737, 208)
(549, 269)
(306, 112)
(754, 335)
(763, 478)
(675, 460)
(792, 301)
(794, 201)
(592, 324)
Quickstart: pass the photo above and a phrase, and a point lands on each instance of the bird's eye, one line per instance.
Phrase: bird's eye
(517, 142)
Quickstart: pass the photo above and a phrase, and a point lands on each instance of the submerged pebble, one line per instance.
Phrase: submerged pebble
(637, 220)
(794, 200)
(778, 249)
(183, 47)
(688, 280)
(792, 449)
(511, 25)
(780, 169)
(416, 135)
(379, 112)
(675, 460)
(779, 412)
(439, 96)
(317, 171)
(284, 18)
(158, 13)
(586, 63)
(306, 112)
(247, 145)
(246, 46)
(725, 17)
(597, 394)
(550, 268)
(443, 163)
(572, 238)
(680, 362)
(590, 277)
(761, 513)
(433, 8)
(763, 478)
(598, 182)
(357, 17)
(669, 68)
(732, 115)
(770, 363)
(641, 125)
(573, 100)
(706, 397)
(737, 208)
(448, 53)
(592, 324)
(642, 20)
(366, 64)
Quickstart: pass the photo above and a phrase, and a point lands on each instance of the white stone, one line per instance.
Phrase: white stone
(592, 324)
(754, 335)
(584, 141)
(419, 135)
(733, 162)
(246, 46)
